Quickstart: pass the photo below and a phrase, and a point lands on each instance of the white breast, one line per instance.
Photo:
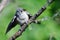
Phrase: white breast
(23, 17)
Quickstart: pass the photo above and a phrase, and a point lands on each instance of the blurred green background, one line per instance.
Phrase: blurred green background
(42, 31)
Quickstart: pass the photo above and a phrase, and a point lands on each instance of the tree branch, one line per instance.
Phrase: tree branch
(3, 4)
(19, 33)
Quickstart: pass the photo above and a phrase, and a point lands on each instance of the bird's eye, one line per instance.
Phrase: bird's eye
(21, 11)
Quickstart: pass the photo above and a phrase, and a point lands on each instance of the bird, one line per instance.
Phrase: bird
(21, 16)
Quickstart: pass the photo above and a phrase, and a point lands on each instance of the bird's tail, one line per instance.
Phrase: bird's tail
(10, 26)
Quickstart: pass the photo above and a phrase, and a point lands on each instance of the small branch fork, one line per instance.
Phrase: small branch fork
(23, 28)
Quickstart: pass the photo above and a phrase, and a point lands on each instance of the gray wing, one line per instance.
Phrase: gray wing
(12, 24)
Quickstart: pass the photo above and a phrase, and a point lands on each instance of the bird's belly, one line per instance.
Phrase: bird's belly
(23, 21)
(23, 18)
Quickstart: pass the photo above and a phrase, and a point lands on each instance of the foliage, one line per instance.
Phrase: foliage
(38, 31)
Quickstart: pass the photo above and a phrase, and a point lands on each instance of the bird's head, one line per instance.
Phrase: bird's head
(20, 10)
